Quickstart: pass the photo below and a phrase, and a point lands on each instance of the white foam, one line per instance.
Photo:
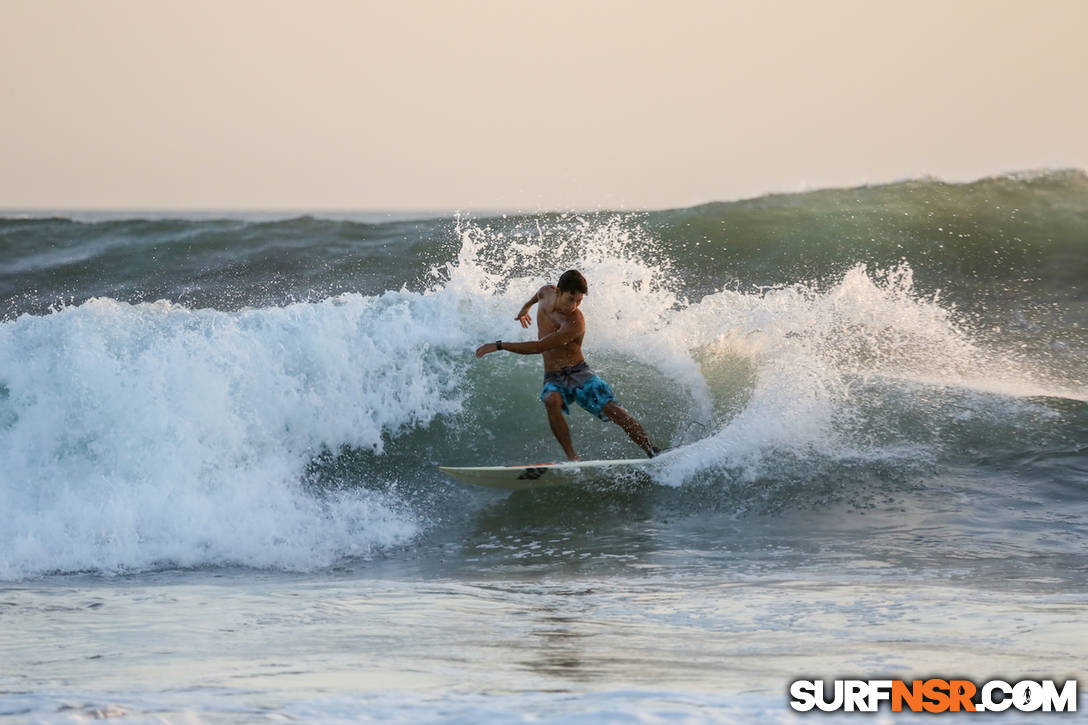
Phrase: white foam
(811, 348)
(134, 435)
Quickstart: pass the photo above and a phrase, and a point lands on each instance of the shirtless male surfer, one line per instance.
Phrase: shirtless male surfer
(567, 377)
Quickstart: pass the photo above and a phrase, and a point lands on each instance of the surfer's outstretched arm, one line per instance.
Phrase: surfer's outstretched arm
(570, 330)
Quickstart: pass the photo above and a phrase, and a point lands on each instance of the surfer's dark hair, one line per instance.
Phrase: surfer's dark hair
(573, 281)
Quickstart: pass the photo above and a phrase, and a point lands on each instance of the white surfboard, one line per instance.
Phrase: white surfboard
(545, 475)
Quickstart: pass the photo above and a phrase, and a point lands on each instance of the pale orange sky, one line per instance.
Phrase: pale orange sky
(443, 105)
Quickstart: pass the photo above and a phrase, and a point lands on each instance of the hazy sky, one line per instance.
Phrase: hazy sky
(392, 105)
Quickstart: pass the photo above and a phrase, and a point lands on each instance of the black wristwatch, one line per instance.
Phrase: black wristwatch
(498, 344)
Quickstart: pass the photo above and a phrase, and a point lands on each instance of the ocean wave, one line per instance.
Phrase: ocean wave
(141, 434)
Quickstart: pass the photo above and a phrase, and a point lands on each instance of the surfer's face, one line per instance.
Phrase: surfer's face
(568, 302)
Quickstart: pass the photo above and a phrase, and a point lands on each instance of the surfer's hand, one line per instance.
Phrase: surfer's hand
(523, 318)
(486, 348)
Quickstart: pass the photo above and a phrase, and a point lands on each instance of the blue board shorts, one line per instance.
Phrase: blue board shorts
(578, 384)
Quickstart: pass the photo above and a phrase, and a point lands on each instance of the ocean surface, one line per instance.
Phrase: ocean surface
(219, 433)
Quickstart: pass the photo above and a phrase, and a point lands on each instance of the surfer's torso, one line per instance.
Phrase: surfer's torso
(550, 318)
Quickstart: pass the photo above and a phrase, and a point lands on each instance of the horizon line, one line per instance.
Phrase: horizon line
(420, 211)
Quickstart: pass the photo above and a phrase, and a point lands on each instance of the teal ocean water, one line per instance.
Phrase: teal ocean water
(219, 434)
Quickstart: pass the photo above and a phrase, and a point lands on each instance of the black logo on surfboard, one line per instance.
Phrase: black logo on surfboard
(531, 474)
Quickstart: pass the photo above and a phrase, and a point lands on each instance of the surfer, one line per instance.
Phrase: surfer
(567, 377)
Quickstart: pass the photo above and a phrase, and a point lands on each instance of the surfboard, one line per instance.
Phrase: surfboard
(545, 475)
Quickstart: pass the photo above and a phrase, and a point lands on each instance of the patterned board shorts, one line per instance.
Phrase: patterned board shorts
(579, 384)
